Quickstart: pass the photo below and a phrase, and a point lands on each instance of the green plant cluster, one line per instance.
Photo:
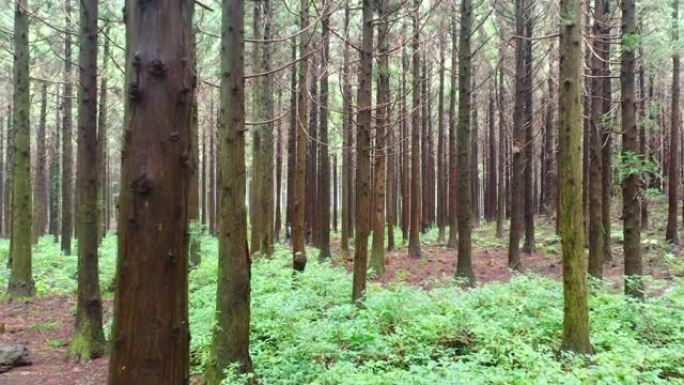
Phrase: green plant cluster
(305, 331)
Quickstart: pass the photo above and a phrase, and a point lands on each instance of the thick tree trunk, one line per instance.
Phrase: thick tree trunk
(363, 154)
(414, 225)
(675, 122)
(464, 268)
(377, 260)
(576, 313)
(630, 149)
(88, 341)
(21, 279)
(67, 147)
(300, 193)
(152, 288)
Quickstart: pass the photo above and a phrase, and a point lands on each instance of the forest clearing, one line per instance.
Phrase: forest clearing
(341, 192)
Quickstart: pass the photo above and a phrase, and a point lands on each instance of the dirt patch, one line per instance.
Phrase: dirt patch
(45, 326)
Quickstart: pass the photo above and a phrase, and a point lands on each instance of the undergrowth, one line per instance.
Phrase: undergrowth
(305, 331)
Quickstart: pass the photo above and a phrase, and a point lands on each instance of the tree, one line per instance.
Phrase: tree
(230, 344)
(414, 225)
(347, 139)
(453, 150)
(298, 209)
(442, 178)
(151, 302)
(102, 153)
(21, 280)
(528, 180)
(576, 313)
(88, 341)
(377, 261)
(67, 147)
(324, 159)
(675, 123)
(363, 154)
(464, 266)
(630, 150)
(261, 207)
(599, 70)
(519, 139)
(40, 194)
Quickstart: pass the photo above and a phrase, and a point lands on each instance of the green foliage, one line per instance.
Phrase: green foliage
(46, 326)
(629, 163)
(305, 331)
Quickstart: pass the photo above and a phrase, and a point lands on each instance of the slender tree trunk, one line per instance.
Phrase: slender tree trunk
(67, 147)
(598, 72)
(528, 174)
(300, 193)
(377, 260)
(675, 122)
(490, 201)
(230, 343)
(291, 147)
(464, 266)
(21, 278)
(519, 139)
(363, 152)
(453, 150)
(324, 158)
(334, 193)
(501, 197)
(643, 145)
(101, 156)
(54, 172)
(40, 196)
(550, 176)
(3, 172)
(88, 341)
(277, 224)
(630, 148)
(312, 229)
(576, 313)
(607, 140)
(414, 225)
(405, 156)
(347, 135)
(196, 231)
(474, 159)
(441, 149)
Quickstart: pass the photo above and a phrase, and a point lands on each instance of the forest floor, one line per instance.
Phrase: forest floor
(45, 324)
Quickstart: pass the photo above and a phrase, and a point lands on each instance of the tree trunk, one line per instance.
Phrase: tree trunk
(643, 145)
(474, 158)
(501, 192)
(300, 193)
(490, 201)
(363, 152)
(230, 343)
(88, 341)
(414, 225)
(101, 156)
(277, 224)
(261, 192)
(405, 156)
(53, 226)
(21, 279)
(291, 147)
(576, 313)
(377, 260)
(598, 72)
(312, 230)
(67, 147)
(452, 243)
(40, 195)
(347, 135)
(550, 176)
(529, 188)
(196, 230)
(675, 122)
(324, 158)
(630, 149)
(151, 302)
(441, 149)
(519, 139)
(464, 266)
